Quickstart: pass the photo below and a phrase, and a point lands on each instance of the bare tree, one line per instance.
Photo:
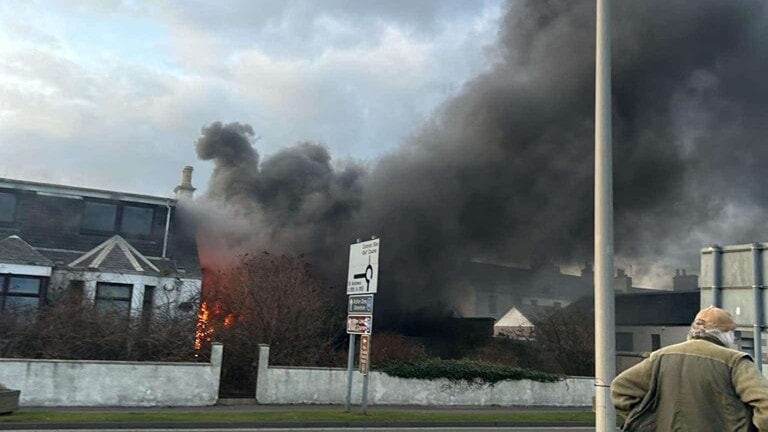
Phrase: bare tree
(269, 299)
(568, 336)
(72, 328)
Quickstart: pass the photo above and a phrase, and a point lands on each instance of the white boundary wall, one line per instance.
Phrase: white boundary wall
(113, 383)
(296, 385)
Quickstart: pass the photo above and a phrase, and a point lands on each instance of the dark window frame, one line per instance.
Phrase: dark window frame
(148, 303)
(88, 230)
(129, 299)
(15, 211)
(5, 284)
(120, 219)
(117, 224)
(655, 341)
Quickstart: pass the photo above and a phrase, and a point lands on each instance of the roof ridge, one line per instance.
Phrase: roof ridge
(34, 253)
(104, 249)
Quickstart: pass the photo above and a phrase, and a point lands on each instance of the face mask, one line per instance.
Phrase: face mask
(729, 339)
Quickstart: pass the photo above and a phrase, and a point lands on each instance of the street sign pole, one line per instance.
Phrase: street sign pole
(362, 284)
(365, 377)
(605, 321)
(350, 366)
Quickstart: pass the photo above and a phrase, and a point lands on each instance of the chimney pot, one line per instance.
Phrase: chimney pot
(185, 188)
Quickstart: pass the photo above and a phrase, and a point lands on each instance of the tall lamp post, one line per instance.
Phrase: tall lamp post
(605, 342)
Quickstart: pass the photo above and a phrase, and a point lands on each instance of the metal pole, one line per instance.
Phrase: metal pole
(605, 333)
(350, 366)
(365, 388)
(757, 289)
(717, 283)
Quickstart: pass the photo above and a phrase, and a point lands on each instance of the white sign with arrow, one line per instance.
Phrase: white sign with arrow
(363, 267)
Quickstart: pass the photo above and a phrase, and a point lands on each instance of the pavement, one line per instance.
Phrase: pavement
(247, 405)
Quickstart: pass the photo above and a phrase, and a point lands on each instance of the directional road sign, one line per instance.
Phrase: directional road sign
(363, 267)
(360, 304)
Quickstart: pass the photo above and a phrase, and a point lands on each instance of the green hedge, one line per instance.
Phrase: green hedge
(463, 370)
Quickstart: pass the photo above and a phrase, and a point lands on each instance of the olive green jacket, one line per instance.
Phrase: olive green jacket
(698, 385)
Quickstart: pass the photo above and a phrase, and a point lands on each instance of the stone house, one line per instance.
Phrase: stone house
(120, 250)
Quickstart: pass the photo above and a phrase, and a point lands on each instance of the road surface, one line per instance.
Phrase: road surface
(351, 429)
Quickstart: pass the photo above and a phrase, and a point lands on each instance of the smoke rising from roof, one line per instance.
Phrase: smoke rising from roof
(503, 170)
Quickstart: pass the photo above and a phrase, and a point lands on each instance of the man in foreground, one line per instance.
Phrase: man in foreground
(703, 384)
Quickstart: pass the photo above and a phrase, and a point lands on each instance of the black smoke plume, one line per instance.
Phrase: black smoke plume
(504, 170)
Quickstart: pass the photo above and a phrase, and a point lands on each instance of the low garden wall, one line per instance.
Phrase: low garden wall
(113, 383)
(296, 385)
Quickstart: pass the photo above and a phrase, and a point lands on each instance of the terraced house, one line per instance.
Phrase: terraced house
(122, 251)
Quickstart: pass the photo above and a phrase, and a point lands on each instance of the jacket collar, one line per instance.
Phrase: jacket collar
(709, 338)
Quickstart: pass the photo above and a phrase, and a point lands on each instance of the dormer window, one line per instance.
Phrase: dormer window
(109, 217)
(137, 220)
(99, 216)
(7, 206)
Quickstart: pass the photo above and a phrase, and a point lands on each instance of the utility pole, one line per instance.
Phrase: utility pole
(605, 328)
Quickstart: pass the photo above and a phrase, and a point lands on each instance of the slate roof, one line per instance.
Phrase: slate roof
(664, 308)
(115, 255)
(544, 281)
(49, 219)
(659, 308)
(14, 250)
(63, 259)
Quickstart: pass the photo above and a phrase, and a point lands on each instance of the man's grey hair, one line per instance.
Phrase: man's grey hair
(697, 332)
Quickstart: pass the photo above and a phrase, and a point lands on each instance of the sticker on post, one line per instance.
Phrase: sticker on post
(359, 324)
(365, 349)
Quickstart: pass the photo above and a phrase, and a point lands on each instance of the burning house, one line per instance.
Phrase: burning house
(122, 251)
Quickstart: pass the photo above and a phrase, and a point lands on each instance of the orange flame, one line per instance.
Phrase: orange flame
(204, 328)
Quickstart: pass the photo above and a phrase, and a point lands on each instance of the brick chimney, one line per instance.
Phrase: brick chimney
(684, 282)
(622, 282)
(185, 189)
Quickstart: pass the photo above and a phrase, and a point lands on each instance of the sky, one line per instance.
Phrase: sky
(450, 125)
(113, 94)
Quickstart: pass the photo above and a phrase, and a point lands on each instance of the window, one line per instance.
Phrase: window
(137, 220)
(747, 345)
(7, 207)
(98, 216)
(106, 217)
(112, 297)
(492, 309)
(20, 293)
(624, 342)
(655, 342)
(75, 292)
(146, 306)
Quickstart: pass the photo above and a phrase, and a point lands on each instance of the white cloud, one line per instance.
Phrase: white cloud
(84, 84)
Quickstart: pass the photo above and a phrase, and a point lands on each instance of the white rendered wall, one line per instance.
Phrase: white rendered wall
(295, 385)
(113, 383)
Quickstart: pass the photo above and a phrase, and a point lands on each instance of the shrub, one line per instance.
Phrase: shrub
(464, 370)
(387, 347)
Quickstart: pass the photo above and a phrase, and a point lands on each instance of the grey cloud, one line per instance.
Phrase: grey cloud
(298, 27)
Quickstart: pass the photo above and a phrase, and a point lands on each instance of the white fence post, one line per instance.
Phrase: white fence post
(262, 377)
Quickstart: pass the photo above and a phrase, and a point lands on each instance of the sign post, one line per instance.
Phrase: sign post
(365, 346)
(362, 284)
(350, 365)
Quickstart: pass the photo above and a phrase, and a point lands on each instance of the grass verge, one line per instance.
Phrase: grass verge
(303, 415)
